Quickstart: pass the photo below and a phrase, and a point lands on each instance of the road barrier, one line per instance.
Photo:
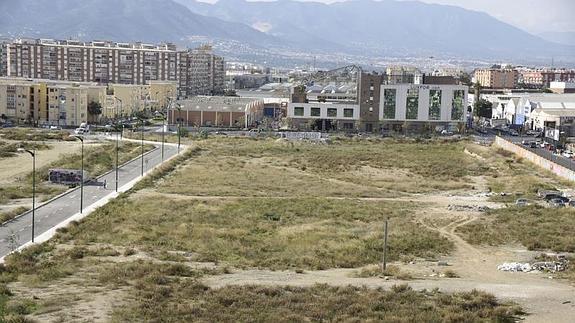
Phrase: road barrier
(536, 159)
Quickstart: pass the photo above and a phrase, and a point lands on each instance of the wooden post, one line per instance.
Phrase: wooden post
(384, 265)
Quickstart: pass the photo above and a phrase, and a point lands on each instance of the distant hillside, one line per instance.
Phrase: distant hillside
(121, 20)
(400, 28)
(566, 38)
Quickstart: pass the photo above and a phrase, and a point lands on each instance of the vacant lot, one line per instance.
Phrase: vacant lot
(235, 203)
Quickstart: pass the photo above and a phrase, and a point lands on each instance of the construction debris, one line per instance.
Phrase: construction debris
(541, 266)
(468, 208)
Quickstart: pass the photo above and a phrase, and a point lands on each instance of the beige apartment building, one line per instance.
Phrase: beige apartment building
(196, 71)
(46, 102)
(497, 78)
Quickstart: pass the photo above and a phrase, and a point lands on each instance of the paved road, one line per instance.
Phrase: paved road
(563, 161)
(19, 231)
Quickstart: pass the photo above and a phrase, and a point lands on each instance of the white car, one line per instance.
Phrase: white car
(80, 131)
(55, 128)
(568, 154)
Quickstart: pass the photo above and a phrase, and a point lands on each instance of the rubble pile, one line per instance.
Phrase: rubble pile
(468, 208)
(561, 264)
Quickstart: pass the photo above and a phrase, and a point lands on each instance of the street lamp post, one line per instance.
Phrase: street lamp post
(117, 143)
(82, 181)
(33, 154)
(142, 131)
(179, 107)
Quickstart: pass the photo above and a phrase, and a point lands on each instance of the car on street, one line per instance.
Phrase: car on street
(533, 145)
(568, 154)
(513, 133)
(80, 131)
(55, 128)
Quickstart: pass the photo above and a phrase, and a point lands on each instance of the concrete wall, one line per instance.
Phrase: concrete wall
(536, 159)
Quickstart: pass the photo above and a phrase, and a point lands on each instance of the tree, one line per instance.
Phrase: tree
(483, 108)
(94, 108)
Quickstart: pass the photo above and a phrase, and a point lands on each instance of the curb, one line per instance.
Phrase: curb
(104, 174)
(88, 210)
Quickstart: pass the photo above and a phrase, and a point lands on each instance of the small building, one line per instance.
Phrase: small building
(562, 87)
(323, 116)
(217, 111)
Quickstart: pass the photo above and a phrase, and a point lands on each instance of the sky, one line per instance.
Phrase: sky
(534, 16)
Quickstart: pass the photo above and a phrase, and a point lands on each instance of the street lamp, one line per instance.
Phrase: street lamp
(142, 131)
(163, 131)
(179, 107)
(33, 154)
(82, 182)
(117, 142)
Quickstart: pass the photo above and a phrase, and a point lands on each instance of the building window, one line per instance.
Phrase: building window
(298, 111)
(434, 104)
(457, 106)
(348, 113)
(332, 112)
(348, 126)
(389, 103)
(315, 112)
(412, 104)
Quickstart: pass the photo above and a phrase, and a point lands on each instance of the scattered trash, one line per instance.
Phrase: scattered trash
(468, 208)
(442, 263)
(561, 264)
(566, 302)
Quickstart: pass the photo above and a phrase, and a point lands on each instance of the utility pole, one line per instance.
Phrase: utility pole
(384, 265)
(33, 154)
(82, 181)
(117, 144)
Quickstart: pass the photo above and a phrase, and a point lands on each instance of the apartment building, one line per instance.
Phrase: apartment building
(497, 78)
(64, 103)
(542, 78)
(196, 71)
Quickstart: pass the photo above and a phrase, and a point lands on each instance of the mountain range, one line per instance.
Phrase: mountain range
(357, 27)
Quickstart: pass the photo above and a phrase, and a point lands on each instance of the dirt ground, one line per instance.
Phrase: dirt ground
(543, 298)
(14, 167)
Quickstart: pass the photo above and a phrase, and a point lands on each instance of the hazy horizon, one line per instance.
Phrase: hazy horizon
(524, 14)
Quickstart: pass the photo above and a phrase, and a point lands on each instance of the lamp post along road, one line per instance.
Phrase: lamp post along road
(82, 180)
(117, 142)
(33, 154)
(142, 131)
(179, 107)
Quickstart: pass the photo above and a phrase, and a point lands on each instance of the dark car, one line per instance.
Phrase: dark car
(550, 197)
(533, 145)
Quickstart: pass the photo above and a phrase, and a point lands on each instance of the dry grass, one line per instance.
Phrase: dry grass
(184, 300)
(535, 227)
(311, 233)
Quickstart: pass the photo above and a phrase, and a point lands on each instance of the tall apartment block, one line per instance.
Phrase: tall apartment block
(197, 72)
(497, 78)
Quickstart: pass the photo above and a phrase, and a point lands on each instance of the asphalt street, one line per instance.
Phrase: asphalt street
(561, 160)
(19, 231)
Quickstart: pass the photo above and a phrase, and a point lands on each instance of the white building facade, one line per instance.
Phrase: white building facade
(446, 104)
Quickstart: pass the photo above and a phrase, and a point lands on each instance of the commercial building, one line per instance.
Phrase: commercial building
(497, 78)
(196, 71)
(562, 87)
(415, 106)
(217, 111)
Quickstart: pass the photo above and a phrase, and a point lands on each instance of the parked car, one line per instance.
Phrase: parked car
(568, 154)
(80, 131)
(513, 133)
(550, 197)
(55, 128)
(522, 202)
(557, 203)
(533, 145)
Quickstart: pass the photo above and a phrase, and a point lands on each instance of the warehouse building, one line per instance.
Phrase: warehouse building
(217, 111)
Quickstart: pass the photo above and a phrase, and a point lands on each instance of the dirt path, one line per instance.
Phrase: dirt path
(545, 299)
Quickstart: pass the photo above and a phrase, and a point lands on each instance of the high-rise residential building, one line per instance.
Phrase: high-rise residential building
(197, 72)
(497, 78)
